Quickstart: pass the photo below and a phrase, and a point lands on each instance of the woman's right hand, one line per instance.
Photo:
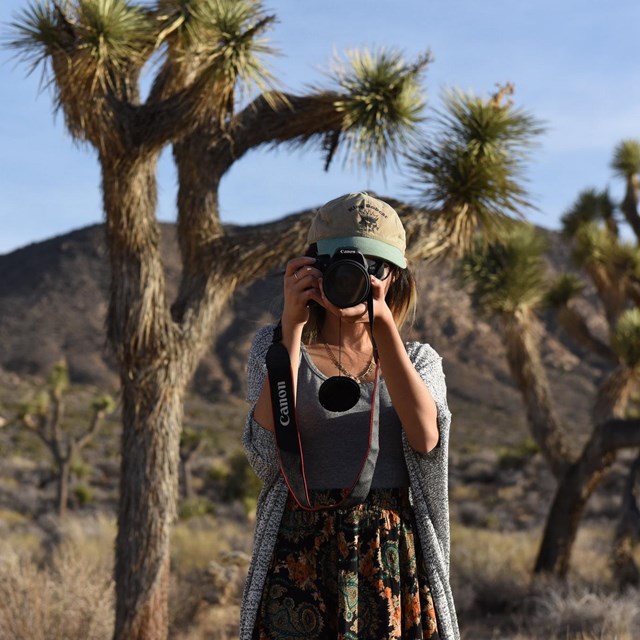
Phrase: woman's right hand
(301, 285)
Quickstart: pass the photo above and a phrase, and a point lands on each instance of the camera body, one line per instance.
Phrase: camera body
(346, 277)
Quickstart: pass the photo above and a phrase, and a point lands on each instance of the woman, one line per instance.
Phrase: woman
(378, 569)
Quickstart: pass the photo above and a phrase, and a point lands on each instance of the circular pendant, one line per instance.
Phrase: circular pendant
(339, 393)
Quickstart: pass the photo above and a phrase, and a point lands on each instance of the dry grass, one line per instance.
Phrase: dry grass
(55, 582)
(69, 599)
(196, 542)
(496, 597)
(65, 591)
(583, 613)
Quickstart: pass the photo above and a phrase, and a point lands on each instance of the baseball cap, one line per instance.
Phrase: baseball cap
(359, 220)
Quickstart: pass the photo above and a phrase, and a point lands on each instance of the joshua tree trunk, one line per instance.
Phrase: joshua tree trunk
(568, 504)
(152, 414)
(526, 368)
(628, 531)
(64, 473)
(574, 490)
(145, 343)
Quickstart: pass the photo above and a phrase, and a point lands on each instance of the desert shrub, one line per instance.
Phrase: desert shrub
(241, 483)
(195, 507)
(209, 599)
(83, 494)
(198, 541)
(560, 611)
(493, 588)
(218, 474)
(515, 457)
(490, 569)
(80, 469)
(68, 599)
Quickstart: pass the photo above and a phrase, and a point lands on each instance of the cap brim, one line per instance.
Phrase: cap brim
(366, 246)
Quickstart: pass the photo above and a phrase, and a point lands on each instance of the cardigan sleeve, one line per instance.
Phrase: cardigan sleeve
(259, 443)
(430, 470)
(429, 365)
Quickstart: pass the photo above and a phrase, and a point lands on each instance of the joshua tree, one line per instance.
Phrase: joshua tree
(507, 280)
(626, 163)
(210, 59)
(44, 416)
(613, 267)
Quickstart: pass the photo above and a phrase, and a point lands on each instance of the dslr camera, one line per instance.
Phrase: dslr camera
(346, 276)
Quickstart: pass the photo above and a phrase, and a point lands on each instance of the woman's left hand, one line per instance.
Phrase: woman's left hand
(381, 310)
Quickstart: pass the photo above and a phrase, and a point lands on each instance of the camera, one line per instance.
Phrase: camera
(346, 276)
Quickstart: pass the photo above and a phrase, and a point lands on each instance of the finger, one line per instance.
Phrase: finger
(308, 272)
(296, 263)
(377, 286)
(302, 281)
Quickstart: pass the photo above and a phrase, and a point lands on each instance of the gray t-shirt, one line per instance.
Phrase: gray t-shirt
(334, 444)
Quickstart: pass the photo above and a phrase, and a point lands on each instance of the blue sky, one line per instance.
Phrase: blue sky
(574, 64)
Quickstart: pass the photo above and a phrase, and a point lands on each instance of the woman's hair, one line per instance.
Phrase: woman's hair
(401, 299)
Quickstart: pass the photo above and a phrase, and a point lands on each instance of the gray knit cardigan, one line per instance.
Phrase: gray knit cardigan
(428, 489)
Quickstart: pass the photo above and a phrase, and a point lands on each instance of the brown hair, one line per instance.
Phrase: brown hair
(401, 298)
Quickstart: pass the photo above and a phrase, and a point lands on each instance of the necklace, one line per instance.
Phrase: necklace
(340, 368)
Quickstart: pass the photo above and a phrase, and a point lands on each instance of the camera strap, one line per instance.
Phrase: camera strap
(289, 441)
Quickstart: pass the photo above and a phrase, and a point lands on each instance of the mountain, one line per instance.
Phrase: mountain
(54, 296)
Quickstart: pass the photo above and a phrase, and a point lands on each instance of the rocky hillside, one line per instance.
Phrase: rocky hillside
(53, 301)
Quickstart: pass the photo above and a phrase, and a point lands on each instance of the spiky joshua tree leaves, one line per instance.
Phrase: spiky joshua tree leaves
(471, 170)
(213, 100)
(626, 164)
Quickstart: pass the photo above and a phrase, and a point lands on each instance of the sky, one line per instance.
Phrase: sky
(575, 65)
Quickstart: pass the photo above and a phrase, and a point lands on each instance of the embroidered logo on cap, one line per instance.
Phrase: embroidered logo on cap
(368, 222)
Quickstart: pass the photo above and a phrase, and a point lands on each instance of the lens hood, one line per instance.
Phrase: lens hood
(346, 280)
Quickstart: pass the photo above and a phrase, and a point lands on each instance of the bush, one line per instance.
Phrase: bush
(71, 599)
(195, 507)
(83, 494)
(241, 483)
(516, 457)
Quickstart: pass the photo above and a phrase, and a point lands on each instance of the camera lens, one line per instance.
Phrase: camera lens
(346, 284)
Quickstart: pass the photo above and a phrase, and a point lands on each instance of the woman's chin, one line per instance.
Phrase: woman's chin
(353, 314)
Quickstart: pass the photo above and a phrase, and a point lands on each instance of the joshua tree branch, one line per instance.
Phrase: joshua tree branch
(38, 427)
(620, 434)
(292, 119)
(57, 413)
(578, 330)
(93, 429)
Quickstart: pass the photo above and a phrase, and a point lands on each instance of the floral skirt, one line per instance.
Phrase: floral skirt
(349, 574)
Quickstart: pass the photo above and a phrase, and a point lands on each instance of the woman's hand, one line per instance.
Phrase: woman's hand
(301, 285)
(379, 289)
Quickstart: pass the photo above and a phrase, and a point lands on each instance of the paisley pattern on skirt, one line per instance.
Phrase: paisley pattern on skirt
(348, 574)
